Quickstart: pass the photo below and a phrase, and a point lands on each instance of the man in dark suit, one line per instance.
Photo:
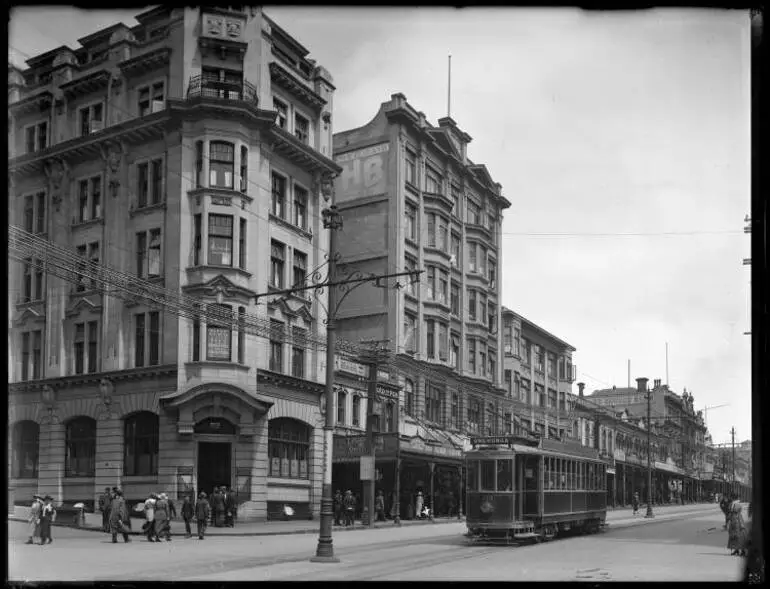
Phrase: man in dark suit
(104, 506)
(229, 499)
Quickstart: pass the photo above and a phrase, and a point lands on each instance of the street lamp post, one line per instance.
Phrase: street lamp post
(643, 386)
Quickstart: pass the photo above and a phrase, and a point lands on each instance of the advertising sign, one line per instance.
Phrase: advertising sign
(363, 172)
(367, 468)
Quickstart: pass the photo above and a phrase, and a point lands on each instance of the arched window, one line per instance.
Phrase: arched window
(140, 439)
(26, 437)
(80, 447)
(221, 164)
(288, 442)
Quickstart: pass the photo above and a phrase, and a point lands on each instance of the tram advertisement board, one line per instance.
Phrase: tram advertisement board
(350, 448)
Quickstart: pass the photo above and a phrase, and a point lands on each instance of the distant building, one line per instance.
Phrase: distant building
(190, 151)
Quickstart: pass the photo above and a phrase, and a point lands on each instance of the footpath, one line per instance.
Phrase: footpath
(616, 518)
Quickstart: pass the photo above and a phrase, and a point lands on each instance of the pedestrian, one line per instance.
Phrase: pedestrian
(218, 505)
(120, 521)
(162, 525)
(349, 506)
(724, 505)
(338, 508)
(379, 506)
(202, 514)
(33, 522)
(228, 500)
(104, 506)
(736, 530)
(149, 514)
(47, 516)
(188, 513)
(419, 503)
(635, 502)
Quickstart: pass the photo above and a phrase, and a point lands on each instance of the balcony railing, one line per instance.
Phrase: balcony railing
(242, 91)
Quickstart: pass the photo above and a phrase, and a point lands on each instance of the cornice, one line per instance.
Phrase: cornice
(63, 382)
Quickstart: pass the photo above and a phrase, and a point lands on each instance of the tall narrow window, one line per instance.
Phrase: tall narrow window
(93, 346)
(300, 207)
(454, 302)
(79, 348)
(432, 230)
(410, 335)
(431, 280)
(298, 352)
(80, 447)
(27, 285)
(91, 119)
(198, 164)
(197, 239)
(219, 333)
(242, 244)
(472, 264)
(300, 269)
(411, 169)
(81, 268)
(454, 420)
(196, 340)
(241, 335)
(83, 201)
(443, 337)
(471, 355)
(139, 340)
(409, 397)
(141, 444)
(29, 213)
(220, 240)
(154, 338)
(276, 346)
(430, 328)
(301, 128)
(221, 164)
(25, 355)
(342, 399)
(283, 113)
(153, 254)
(472, 304)
(277, 261)
(156, 186)
(454, 351)
(410, 265)
(143, 175)
(410, 218)
(356, 415)
(40, 212)
(244, 169)
(279, 196)
(37, 354)
(94, 258)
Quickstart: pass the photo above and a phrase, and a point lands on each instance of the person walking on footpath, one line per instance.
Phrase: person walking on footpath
(104, 506)
(202, 514)
(120, 522)
(47, 516)
(736, 529)
(149, 514)
(188, 513)
(635, 502)
(338, 508)
(218, 505)
(379, 506)
(229, 501)
(349, 505)
(33, 522)
(162, 527)
(724, 505)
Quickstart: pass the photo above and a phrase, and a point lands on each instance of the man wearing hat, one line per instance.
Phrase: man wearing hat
(119, 518)
(349, 504)
(47, 515)
(202, 514)
(34, 518)
(104, 506)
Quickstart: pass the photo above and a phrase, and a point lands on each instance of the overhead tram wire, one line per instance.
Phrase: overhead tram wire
(74, 268)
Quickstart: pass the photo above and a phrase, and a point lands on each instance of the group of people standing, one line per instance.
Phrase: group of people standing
(115, 516)
(41, 515)
(737, 530)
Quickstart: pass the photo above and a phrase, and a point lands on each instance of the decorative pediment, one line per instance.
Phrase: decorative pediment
(80, 303)
(301, 308)
(30, 313)
(444, 140)
(482, 174)
(220, 287)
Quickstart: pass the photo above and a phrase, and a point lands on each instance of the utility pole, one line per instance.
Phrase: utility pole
(732, 431)
(373, 357)
(643, 383)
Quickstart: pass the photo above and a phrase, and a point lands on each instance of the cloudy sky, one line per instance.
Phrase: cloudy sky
(621, 140)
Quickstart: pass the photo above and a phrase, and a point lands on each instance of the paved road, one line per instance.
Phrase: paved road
(691, 548)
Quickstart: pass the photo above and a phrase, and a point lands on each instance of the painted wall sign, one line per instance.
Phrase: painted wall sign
(363, 172)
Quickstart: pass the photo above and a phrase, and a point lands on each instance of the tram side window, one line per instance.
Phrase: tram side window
(571, 477)
(504, 475)
(487, 475)
(548, 472)
(582, 476)
(590, 481)
(473, 475)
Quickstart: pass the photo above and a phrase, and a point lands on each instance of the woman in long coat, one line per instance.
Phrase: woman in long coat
(736, 530)
(161, 518)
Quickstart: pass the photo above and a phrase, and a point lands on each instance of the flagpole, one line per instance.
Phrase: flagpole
(449, 89)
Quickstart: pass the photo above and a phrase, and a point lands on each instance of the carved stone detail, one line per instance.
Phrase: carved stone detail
(113, 156)
(57, 171)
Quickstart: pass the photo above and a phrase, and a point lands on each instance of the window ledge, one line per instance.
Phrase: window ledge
(137, 210)
(217, 364)
(91, 222)
(18, 481)
(235, 269)
(287, 482)
(436, 250)
(411, 297)
(140, 478)
(77, 479)
(291, 227)
(27, 304)
(411, 242)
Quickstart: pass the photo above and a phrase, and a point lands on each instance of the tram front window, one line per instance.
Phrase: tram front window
(487, 475)
(473, 475)
(504, 475)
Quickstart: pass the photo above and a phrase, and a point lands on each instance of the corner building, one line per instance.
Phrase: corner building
(411, 198)
(190, 151)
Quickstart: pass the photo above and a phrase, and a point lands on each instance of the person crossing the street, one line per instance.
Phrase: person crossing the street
(104, 506)
(47, 516)
(188, 513)
(34, 518)
(119, 518)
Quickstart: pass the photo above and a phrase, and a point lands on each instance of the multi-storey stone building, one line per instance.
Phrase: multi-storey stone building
(538, 374)
(192, 151)
(411, 198)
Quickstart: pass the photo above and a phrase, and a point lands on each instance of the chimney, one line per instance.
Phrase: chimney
(641, 384)
(581, 386)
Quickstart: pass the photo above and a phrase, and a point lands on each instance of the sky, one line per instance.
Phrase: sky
(622, 141)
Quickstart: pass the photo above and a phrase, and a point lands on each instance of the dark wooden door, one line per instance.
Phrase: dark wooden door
(214, 465)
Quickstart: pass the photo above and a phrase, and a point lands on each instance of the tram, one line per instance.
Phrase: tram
(522, 489)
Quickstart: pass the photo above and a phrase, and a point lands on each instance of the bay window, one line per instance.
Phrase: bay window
(220, 240)
(221, 164)
(219, 333)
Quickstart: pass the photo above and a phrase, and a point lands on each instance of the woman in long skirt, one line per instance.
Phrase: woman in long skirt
(736, 530)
